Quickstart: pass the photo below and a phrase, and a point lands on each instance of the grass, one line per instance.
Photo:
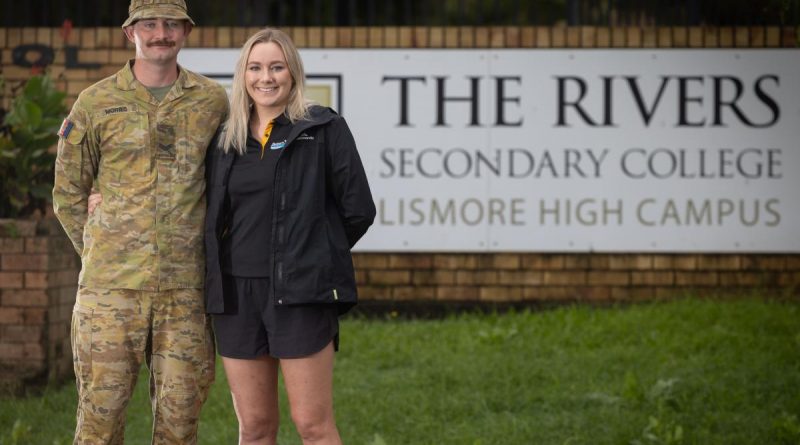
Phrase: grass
(699, 372)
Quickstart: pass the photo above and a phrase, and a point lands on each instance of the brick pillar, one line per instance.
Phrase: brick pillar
(38, 281)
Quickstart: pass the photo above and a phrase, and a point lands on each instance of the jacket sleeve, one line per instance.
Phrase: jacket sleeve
(213, 147)
(77, 163)
(348, 182)
(211, 154)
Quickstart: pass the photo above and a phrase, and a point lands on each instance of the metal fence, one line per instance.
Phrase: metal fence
(16, 13)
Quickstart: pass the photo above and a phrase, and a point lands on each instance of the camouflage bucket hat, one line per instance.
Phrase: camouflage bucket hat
(152, 9)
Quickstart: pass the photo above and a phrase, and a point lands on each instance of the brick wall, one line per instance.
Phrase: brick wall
(38, 281)
(46, 293)
(109, 48)
(530, 277)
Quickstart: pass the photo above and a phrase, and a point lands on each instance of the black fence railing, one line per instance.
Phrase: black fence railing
(52, 13)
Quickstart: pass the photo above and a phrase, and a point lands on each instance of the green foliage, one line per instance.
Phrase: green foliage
(662, 427)
(658, 432)
(497, 334)
(11, 230)
(378, 440)
(27, 136)
(679, 373)
(787, 429)
(19, 434)
(632, 388)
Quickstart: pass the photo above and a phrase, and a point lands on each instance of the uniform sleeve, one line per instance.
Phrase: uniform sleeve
(348, 182)
(76, 167)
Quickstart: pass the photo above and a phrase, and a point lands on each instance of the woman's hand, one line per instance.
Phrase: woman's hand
(95, 199)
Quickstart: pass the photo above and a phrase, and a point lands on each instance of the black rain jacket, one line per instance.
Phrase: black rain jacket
(322, 206)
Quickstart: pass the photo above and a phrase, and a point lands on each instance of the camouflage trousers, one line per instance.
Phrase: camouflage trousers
(113, 333)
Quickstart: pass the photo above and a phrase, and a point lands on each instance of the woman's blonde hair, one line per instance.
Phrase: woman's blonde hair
(234, 133)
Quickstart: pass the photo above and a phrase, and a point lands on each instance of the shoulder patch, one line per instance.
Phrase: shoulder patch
(66, 128)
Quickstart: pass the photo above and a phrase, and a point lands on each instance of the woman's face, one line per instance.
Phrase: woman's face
(267, 77)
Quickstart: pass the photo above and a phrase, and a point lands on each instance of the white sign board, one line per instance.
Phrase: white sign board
(568, 150)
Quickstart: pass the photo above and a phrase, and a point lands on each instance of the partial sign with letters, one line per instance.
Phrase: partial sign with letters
(568, 150)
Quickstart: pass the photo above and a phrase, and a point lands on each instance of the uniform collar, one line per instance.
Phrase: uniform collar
(127, 81)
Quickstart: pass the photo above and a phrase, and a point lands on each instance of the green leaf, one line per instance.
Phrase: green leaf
(52, 124)
(34, 87)
(26, 114)
(8, 149)
(34, 114)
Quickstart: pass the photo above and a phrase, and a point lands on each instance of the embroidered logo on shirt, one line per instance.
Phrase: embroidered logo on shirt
(277, 145)
(305, 137)
(66, 127)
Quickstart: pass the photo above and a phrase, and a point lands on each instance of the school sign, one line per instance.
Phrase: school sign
(567, 150)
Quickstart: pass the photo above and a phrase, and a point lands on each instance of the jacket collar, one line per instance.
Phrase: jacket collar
(317, 116)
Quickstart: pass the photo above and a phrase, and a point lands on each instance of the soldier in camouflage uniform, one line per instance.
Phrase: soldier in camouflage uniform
(140, 138)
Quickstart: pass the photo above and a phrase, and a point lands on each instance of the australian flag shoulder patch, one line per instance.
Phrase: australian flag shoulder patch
(66, 128)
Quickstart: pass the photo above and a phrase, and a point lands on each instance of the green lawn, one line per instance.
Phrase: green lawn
(699, 372)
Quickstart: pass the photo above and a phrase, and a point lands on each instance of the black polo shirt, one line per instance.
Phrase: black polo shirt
(246, 243)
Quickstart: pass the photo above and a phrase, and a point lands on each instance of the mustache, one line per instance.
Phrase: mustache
(167, 43)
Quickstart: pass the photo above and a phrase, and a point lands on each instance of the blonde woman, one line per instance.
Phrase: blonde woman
(287, 200)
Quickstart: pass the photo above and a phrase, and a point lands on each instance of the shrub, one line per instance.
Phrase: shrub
(27, 136)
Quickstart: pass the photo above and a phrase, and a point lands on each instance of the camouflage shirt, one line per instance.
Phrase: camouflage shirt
(147, 159)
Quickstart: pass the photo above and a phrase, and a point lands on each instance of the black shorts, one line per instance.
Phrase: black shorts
(252, 326)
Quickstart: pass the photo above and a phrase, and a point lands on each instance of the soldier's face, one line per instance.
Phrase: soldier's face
(267, 77)
(158, 40)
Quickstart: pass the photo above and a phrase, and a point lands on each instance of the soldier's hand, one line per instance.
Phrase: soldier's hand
(95, 199)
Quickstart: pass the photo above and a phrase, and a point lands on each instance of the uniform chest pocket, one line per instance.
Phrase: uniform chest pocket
(194, 133)
(126, 153)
